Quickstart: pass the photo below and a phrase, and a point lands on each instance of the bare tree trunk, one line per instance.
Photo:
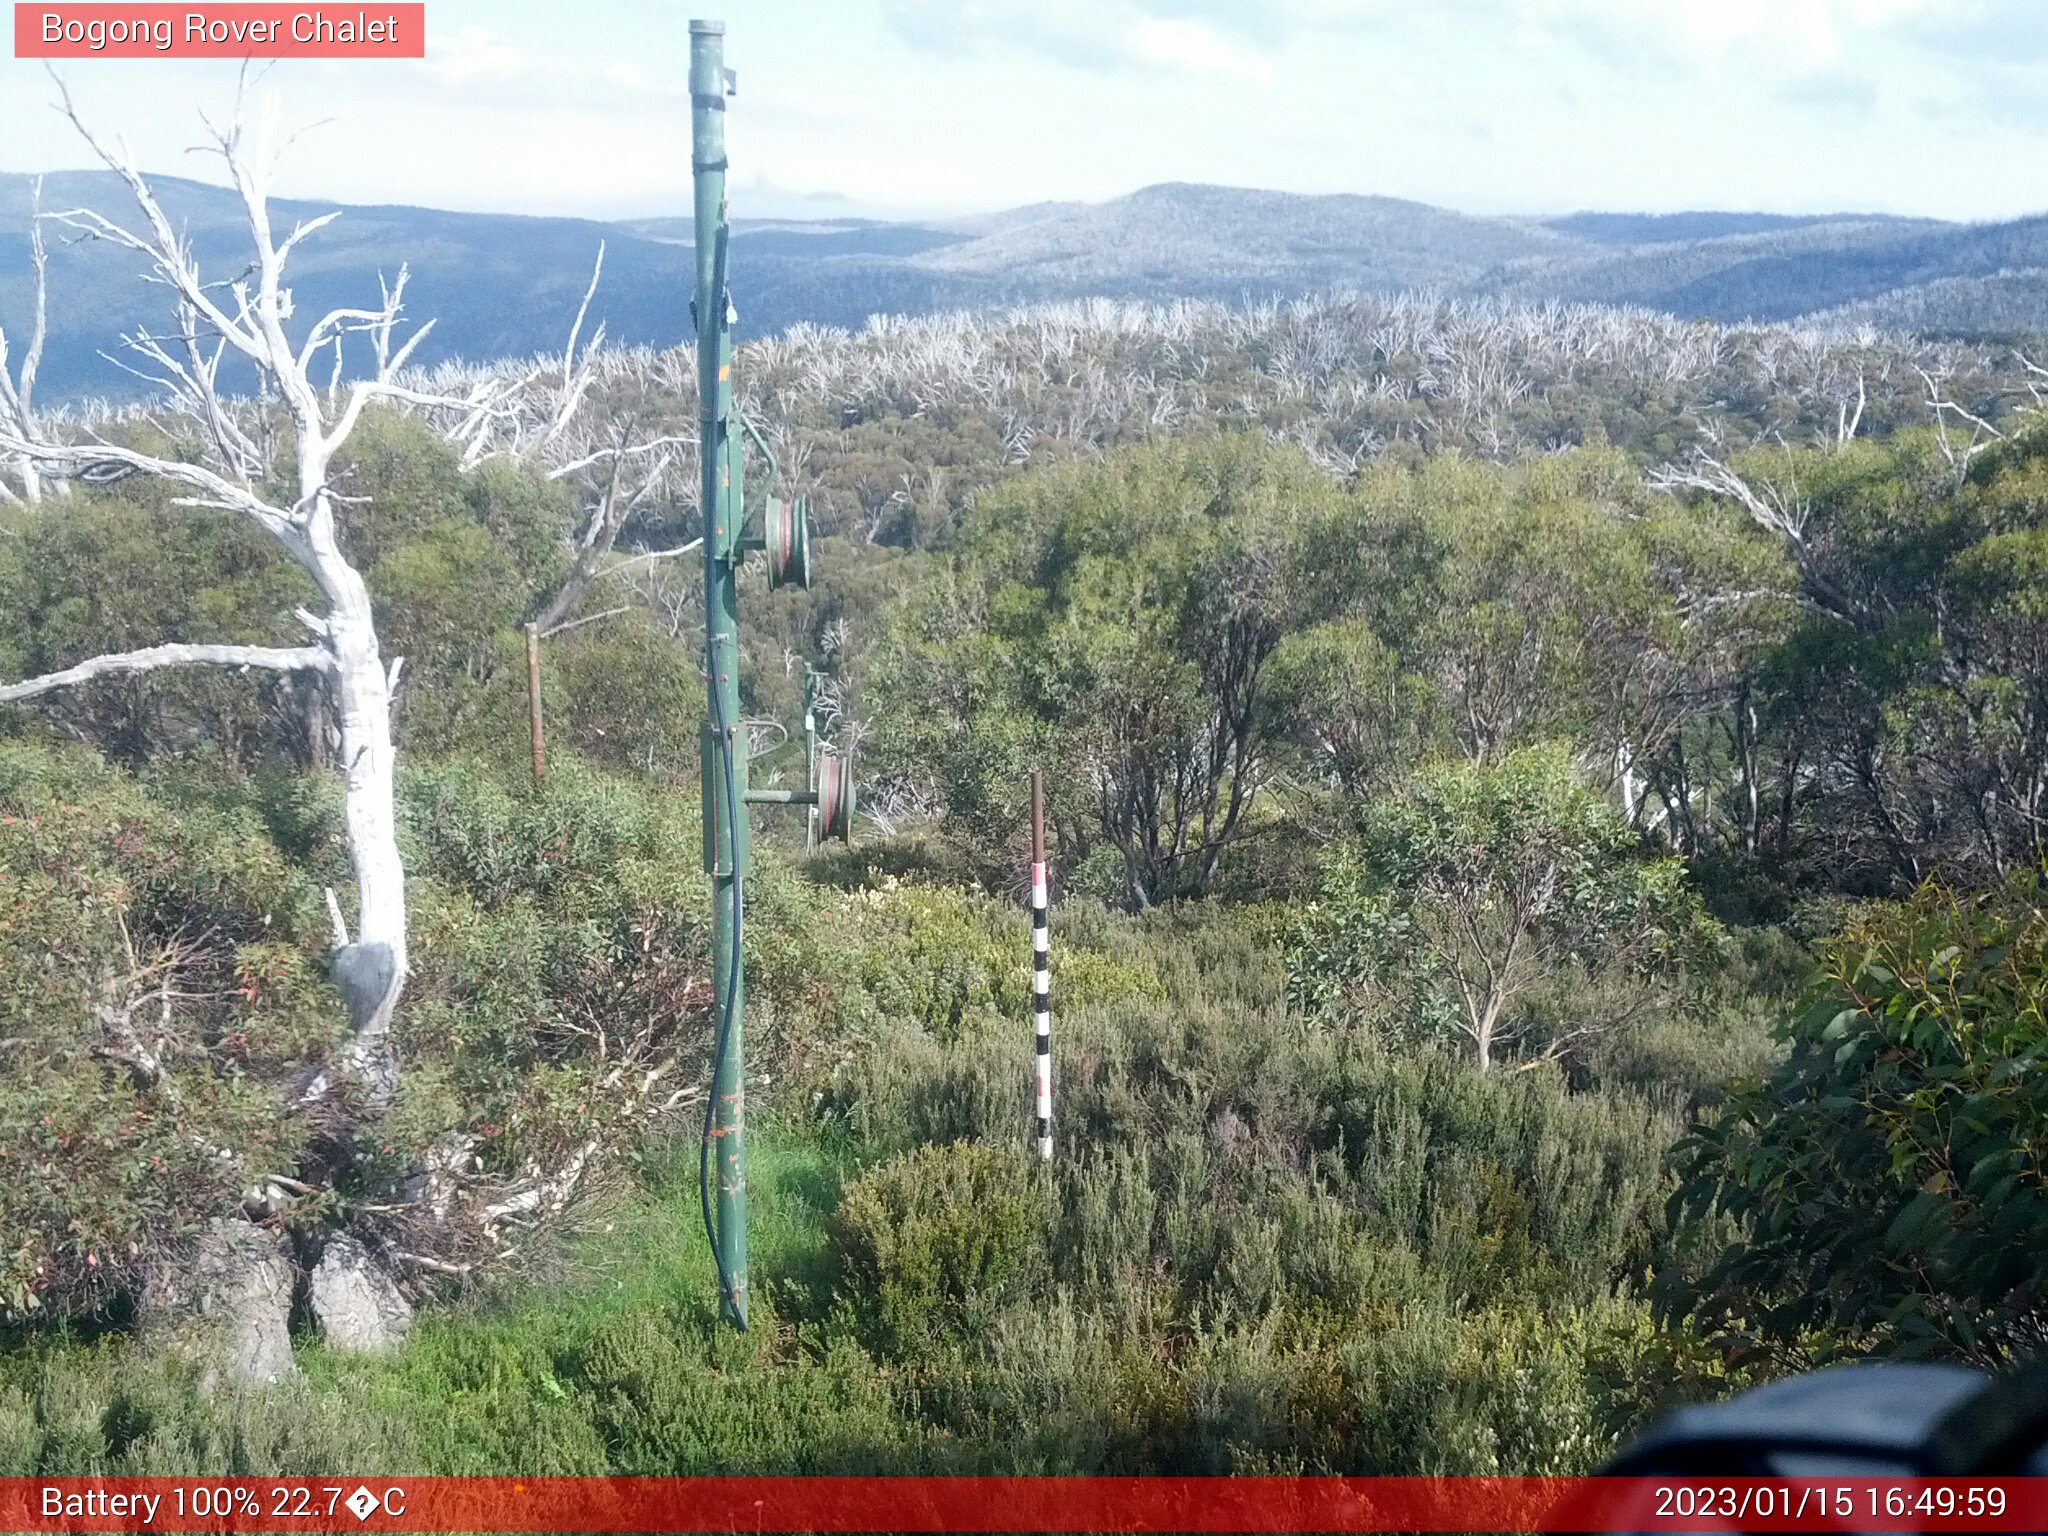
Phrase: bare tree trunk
(17, 400)
(1630, 785)
(371, 971)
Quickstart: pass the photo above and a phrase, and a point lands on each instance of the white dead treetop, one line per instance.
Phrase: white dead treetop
(1775, 504)
(17, 393)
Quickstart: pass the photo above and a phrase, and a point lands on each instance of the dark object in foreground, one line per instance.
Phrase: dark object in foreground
(1873, 1420)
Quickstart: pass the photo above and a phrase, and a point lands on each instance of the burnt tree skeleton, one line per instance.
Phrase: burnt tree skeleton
(246, 320)
(527, 414)
(17, 392)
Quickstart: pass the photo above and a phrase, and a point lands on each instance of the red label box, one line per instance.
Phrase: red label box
(998, 1506)
(373, 30)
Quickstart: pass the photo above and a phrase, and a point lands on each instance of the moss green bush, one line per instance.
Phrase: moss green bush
(933, 1243)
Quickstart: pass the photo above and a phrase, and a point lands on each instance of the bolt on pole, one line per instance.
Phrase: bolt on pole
(1041, 969)
(724, 747)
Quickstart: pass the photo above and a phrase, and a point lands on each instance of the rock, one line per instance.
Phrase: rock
(225, 1301)
(360, 1307)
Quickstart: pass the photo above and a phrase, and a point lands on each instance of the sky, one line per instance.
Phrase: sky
(910, 108)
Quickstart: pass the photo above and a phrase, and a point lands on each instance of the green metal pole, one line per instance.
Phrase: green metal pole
(724, 746)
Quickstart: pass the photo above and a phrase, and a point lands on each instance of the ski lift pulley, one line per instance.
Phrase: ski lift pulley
(835, 796)
(786, 536)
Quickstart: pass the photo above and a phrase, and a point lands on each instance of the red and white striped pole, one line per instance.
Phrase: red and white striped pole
(1041, 968)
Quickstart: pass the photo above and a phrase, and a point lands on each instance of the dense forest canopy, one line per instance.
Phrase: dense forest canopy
(1546, 812)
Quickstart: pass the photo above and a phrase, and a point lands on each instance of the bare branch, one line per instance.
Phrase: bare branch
(654, 554)
(336, 923)
(618, 499)
(632, 450)
(591, 618)
(156, 657)
(17, 400)
(1775, 505)
(98, 462)
(169, 253)
(577, 378)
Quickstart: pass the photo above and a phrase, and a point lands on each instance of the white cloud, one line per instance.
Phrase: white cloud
(818, 108)
(1102, 34)
(1491, 105)
(1195, 48)
(477, 58)
(475, 53)
(1783, 32)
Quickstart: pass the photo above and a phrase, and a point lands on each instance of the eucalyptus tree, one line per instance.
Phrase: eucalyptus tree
(1473, 887)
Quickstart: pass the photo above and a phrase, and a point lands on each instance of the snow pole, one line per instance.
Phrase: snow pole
(1041, 969)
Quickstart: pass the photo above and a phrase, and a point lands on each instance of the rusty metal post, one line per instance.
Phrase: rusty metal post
(540, 735)
(1041, 969)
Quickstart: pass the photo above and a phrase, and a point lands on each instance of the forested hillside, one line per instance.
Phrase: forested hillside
(1546, 808)
(504, 286)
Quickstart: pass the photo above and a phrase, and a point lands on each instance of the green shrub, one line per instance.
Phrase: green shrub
(159, 986)
(1478, 887)
(1887, 1177)
(112, 1410)
(934, 1242)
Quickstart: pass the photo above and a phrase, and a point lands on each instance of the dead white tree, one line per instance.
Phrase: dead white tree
(617, 477)
(246, 320)
(620, 480)
(18, 392)
(1959, 454)
(1777, 505)
(1846, 419)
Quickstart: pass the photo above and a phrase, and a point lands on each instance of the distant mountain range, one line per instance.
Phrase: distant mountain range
(502, 285)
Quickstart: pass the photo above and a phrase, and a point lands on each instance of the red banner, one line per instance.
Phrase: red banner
(215, 31)
(1016, 1504)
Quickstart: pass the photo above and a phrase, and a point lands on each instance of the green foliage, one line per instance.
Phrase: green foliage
(104, 1410)
(1262, 1248)
(1887, 1178)
(1474, 888)
(157, 990)
(953, 962)
(934, 1243)
(163, 989)
(1113, 621)
(122, 568)
(1350, 708)
(1352, 712)
(1894, 727)
(455, 560)
(560, 943)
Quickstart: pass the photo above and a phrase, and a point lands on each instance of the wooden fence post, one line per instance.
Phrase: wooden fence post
(540, 739)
